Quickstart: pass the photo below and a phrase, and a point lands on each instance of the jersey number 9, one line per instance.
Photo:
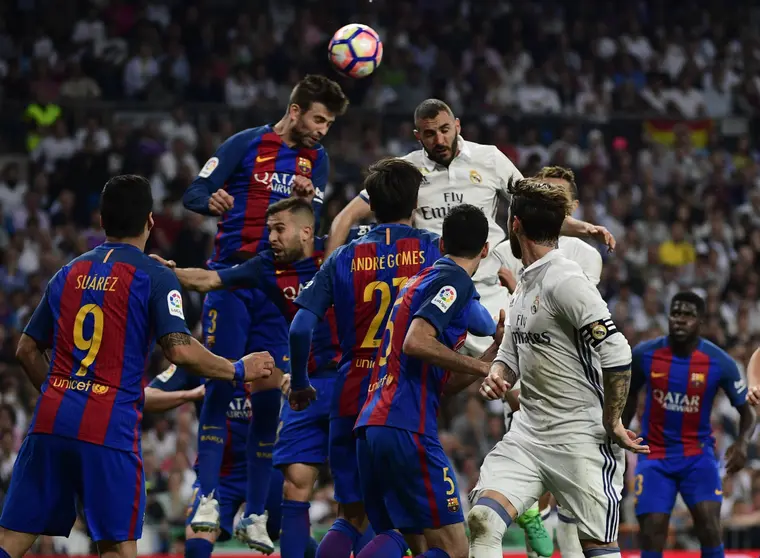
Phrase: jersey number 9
(92, 344)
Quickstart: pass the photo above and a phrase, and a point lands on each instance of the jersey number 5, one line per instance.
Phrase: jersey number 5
(371, 340)
(91, 345)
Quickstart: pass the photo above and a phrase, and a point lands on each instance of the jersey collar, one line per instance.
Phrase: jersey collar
(464, 153)
(549, 256)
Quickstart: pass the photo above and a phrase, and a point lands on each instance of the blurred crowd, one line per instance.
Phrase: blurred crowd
(95, 88)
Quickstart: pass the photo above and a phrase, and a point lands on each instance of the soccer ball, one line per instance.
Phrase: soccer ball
(355, 50)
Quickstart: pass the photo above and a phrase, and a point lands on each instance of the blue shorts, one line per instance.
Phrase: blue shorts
(230, 494)
(407, 481)
(52, 474)
(658, 481)
(303, 435)
(242, 321)
(344, 467)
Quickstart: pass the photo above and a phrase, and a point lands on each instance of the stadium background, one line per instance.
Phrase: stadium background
(653, 104)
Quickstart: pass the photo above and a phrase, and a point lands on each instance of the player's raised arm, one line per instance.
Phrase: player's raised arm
(735, 388)
(458, 383)
(206, 194)
(182, 349)
(35, 339)
(357, 210)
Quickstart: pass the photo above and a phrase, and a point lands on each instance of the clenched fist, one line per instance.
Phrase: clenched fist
(220, 201)
(303, 188)
(258, 365)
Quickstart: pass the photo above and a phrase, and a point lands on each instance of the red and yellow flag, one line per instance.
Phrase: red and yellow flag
(664, 131)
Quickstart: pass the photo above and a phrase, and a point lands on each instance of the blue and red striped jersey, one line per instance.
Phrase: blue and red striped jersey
(680, 391)
(101, 315)
(257, 169)
(282, 282)
(360, 281)
(405, 392)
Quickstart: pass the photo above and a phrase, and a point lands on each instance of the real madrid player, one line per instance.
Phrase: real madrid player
(590, 261)
(575, 368)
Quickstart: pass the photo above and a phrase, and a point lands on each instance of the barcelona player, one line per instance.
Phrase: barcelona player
(173, 387)
(361, 280)
(100, 316)
(682, 373)
(250, 171)
(292, 262)
(406, 477)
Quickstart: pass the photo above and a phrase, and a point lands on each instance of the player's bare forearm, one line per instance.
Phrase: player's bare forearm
(463, 381)
(513, 399)
(421, 343)
(575, 227)
(356, 211)
(183, 350)
(616, 387)
(196, 279)
(158, 401)
(746, 422)
(33, 360)
(506, 372)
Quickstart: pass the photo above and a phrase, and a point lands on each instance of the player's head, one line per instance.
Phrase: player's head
(315, 103)
(291, 228)
(393, 186)
(465, 234)
(436, 128)
(687, 309)
(126, 207)
(562, 176)
(536, 213)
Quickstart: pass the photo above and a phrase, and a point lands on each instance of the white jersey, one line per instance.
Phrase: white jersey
(560, 338)
(573, 249)
(478, 175)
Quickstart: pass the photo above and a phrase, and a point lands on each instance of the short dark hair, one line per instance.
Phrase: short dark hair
(692, 298)
(319, 89)
(429, 109)
(125, 205)
(465, 231)
(561, 173)
(393, 186)
(540, 206)
(293, 204)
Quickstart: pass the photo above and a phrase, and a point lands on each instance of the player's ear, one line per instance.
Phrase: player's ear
(484, 251)
(417, 135)
(575, 205)
(441, 247)
(458, 126)
(294, 111)
(151, 222)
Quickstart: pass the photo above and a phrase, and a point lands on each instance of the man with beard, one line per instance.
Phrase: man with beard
(249, 172)
(682, 373)
(575, 369)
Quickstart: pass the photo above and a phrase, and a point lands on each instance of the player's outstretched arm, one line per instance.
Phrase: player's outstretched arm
(462, 381)
(159, 401)
(573, 227)
(183, 350)
(421, 342)
(33, 360)
(733, 384)
(192, 278)
(357, 210)
(753, 378)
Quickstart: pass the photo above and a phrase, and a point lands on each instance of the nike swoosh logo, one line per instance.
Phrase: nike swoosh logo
(659, 374)
(719, 493)
(261, 159)
(263, 444)
(285, 359)
(212, 428)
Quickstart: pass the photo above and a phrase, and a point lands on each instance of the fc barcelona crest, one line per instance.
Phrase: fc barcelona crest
(304, 166)
(697, 380)
(453, 504)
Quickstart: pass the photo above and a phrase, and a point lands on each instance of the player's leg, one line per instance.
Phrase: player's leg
(351, 531)
(268, 332)
(225, 318)
(654, 491)
(41, 497)
(199, 544)
(112, 493)
(702, 491)
(510, 482)
(566, 532)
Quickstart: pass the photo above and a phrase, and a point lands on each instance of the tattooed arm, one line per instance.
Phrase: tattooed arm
(617, 382)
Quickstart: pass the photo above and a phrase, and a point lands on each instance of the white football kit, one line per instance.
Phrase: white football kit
(478, 175)
(560, 341)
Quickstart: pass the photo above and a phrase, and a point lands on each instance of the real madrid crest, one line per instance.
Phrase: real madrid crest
(304, 166)
(598, 331)
(534, 306)
(475, 177)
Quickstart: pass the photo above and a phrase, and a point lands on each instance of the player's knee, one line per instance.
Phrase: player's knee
(298, 483)
(708, 528)
(355, 514)
(653, 528)
(487, 527)
(190, 534)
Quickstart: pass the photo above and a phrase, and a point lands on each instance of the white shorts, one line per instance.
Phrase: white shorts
(494, 298)
(586, 479)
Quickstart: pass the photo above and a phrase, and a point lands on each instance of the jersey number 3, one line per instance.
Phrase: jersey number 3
(371, 340)
(91, 344)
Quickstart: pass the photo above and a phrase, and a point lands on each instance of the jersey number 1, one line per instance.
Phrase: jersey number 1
(91, 345)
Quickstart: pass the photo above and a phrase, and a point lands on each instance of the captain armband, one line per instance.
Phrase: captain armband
(597, 332)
